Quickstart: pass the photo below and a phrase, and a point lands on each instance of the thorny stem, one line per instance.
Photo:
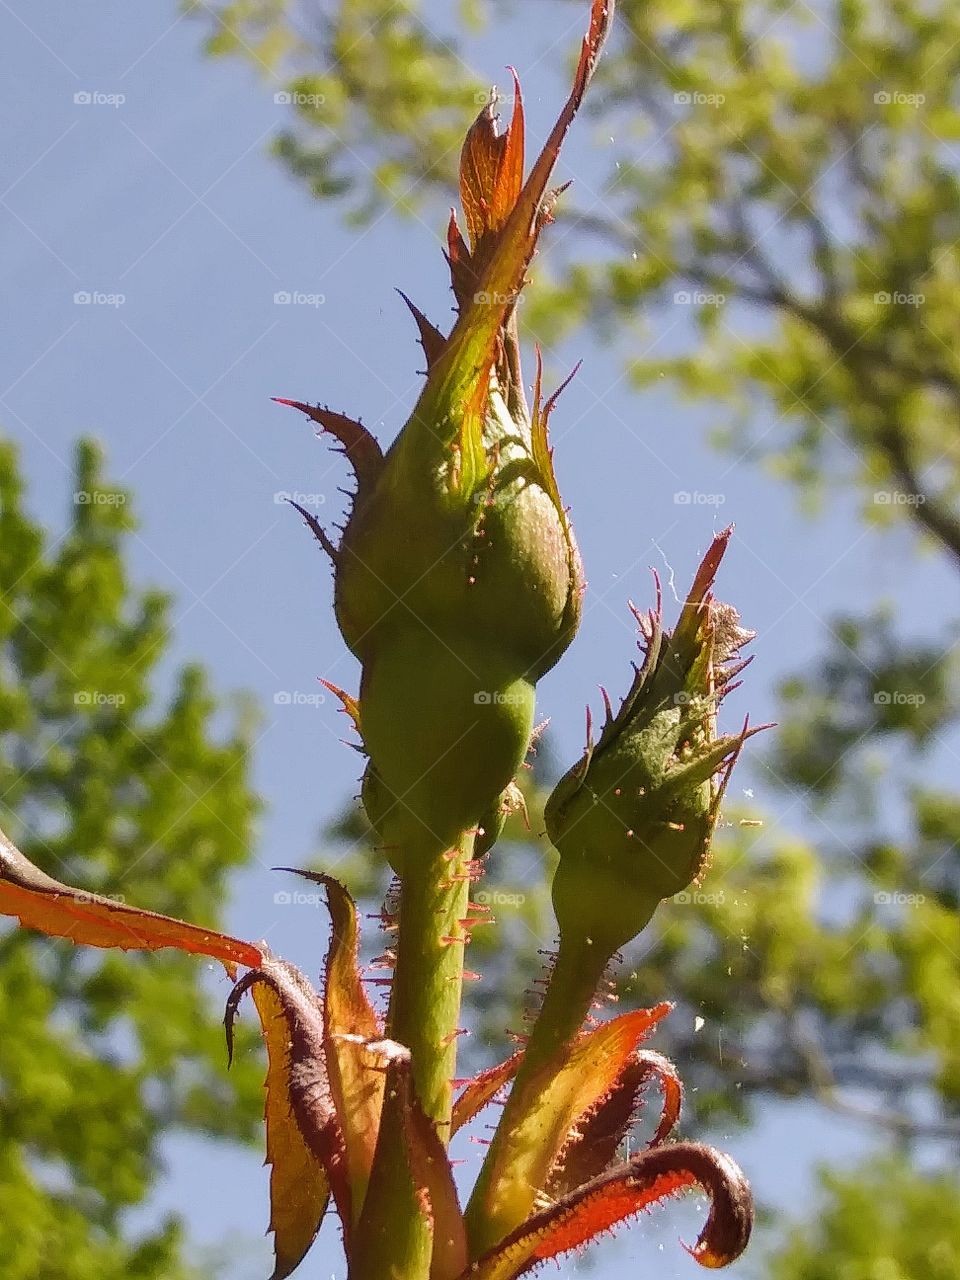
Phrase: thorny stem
(394, 1239)
(508, 1181)
(428, 979)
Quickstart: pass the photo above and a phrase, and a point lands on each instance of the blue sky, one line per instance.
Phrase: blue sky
(153, 193)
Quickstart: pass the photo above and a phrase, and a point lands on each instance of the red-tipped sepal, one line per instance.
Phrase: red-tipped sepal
(356, 443)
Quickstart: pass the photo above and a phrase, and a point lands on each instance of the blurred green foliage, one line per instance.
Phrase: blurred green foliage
(113, 777)
(867, 1228)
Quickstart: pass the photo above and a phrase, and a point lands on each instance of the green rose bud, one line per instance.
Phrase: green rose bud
(462, 530)
(633, 819)
(457, 581)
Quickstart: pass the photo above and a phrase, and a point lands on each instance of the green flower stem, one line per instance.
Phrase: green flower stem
(428, 978)
(521, 1152)
(393, 1239)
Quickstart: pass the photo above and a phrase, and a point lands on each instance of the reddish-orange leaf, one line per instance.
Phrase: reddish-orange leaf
(622, 1193)
(555, 1100)
(656, 1066)
(482, 1089)
(491, 170)
(527, 215)
(509, 182)
(356, 1085)
(299, 1188)
(56, 909)
(479, 163)
(301, 1071)
(595, 1141)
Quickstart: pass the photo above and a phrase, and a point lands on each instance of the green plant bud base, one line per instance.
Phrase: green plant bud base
(445, 732)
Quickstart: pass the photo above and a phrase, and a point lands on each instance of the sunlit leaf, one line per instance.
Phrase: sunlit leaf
(491, 170)
(557, 1098)
(302, 1067)
(299, 1188)
(349, 1019)
(596, 1139)
(56, 909)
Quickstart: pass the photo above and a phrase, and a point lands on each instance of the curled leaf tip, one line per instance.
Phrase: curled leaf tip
(727, 1230)
(619, 1195)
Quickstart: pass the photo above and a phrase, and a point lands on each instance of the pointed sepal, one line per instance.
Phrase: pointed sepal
(431, 339)
(360, 447)
(482, 1089)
